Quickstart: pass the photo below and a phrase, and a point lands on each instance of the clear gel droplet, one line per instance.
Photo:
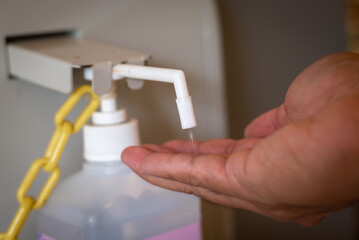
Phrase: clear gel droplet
(192, 140)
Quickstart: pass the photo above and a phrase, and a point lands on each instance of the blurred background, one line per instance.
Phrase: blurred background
(266, 44)
(240, 56)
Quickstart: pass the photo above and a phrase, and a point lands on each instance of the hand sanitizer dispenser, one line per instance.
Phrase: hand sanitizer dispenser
(106, 200)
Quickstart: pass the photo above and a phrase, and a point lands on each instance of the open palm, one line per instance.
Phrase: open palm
(298, 162)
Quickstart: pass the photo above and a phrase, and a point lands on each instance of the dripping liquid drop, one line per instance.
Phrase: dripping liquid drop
(192, 140)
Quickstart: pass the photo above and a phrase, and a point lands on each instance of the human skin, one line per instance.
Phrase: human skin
(298, 162)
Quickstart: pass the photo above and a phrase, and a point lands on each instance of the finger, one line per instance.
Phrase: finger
(215, 193)
(132, 156)
(213, 172)
(156, 148)
(266, 123)
(311, 221)
(217, 146)
(158, 169)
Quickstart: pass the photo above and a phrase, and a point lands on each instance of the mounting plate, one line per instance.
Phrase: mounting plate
(50, 62)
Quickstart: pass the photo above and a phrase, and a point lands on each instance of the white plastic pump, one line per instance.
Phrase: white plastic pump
(110, 132)
(177, 77)
(106, 200)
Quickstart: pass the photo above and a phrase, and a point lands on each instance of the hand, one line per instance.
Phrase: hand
(298, 162)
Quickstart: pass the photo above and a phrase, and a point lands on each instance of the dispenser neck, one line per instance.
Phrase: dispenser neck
(109, 133)
(105, 168)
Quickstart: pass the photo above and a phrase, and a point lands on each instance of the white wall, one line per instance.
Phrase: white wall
(178, 34)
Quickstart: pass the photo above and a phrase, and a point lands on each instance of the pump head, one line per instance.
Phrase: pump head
(177, 77)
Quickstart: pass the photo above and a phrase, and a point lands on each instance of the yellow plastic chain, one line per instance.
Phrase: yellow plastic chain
(49, 163)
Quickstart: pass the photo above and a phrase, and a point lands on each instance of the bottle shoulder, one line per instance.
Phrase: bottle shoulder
(91, 194)
(96, 204)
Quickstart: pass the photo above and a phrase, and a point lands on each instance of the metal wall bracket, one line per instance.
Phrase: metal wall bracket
(102, 78)
(50, 62)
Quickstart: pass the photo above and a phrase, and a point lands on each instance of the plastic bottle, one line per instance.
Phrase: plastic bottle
(107, 201)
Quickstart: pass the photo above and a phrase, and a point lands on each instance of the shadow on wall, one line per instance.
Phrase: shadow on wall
(266, 44)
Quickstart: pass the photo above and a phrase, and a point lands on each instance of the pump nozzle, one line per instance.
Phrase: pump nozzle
(177, 77)
(186, 113)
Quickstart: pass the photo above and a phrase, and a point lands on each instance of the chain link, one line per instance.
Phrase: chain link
(49, 163)
(57, 145)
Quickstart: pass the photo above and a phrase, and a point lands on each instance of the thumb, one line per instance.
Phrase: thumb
(266, 123)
